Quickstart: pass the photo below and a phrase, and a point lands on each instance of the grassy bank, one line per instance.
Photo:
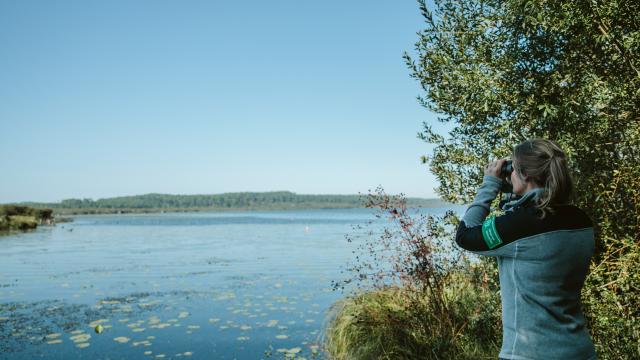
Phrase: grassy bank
(401, 323)
(18, 222)
(14, 218)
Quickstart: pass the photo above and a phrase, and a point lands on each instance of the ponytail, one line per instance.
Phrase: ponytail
(544, 163)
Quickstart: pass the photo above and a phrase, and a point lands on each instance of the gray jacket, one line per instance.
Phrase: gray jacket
(542, 265)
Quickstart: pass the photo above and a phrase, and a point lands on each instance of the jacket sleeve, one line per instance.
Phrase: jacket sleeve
(470, 235)
(494, 234)
(480, 207)
(490, 238)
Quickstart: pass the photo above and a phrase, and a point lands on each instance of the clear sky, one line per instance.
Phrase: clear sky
(110, 98)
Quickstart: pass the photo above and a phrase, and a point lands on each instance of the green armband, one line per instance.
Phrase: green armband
(490, 234)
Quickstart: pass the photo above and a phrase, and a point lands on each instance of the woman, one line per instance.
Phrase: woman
(543, 247)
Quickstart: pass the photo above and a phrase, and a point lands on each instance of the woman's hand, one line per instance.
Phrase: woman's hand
(494, 168)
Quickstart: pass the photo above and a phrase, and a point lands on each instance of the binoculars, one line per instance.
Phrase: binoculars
(507, 188)
(507, 168)
(505, 175)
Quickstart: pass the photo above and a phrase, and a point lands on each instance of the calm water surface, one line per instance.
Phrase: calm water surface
(244, 285)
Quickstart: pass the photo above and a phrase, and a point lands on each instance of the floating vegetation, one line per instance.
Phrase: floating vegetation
(124, 308)
(160, 326)
(98, 322)
(143, 342)
(183, 315)
(80, 338)
(225, 296)
(137, 313)
(150, 303)
(290, 352)
(121, 339)
(109, 302)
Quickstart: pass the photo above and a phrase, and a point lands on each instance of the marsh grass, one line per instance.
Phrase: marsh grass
(400, 323)
(435, 303)
(18, 222)
(15, 217)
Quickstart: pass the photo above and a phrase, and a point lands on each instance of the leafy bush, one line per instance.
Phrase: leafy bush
(505, 71)
(430, 302)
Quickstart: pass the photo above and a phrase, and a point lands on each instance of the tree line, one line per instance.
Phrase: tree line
(240, 200)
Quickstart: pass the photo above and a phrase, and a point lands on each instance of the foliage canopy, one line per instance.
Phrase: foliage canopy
(505, 71)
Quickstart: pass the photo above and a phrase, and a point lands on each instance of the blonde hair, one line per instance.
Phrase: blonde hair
(544, 163)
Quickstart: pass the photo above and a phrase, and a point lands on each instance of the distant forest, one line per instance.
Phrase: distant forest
(278, 200)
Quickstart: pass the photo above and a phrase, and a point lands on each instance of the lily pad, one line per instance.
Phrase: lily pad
(183, 314)
(80, 338)
(121, 339)
(272, 323)
(95, 323)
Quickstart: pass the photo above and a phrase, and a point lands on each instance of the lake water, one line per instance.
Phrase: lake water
(243, 285)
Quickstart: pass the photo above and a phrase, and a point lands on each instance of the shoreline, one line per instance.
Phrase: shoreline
(107, 211)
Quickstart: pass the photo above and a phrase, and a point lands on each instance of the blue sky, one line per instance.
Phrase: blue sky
(109, 98)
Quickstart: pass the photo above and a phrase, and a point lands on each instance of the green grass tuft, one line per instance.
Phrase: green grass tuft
(399, 323)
